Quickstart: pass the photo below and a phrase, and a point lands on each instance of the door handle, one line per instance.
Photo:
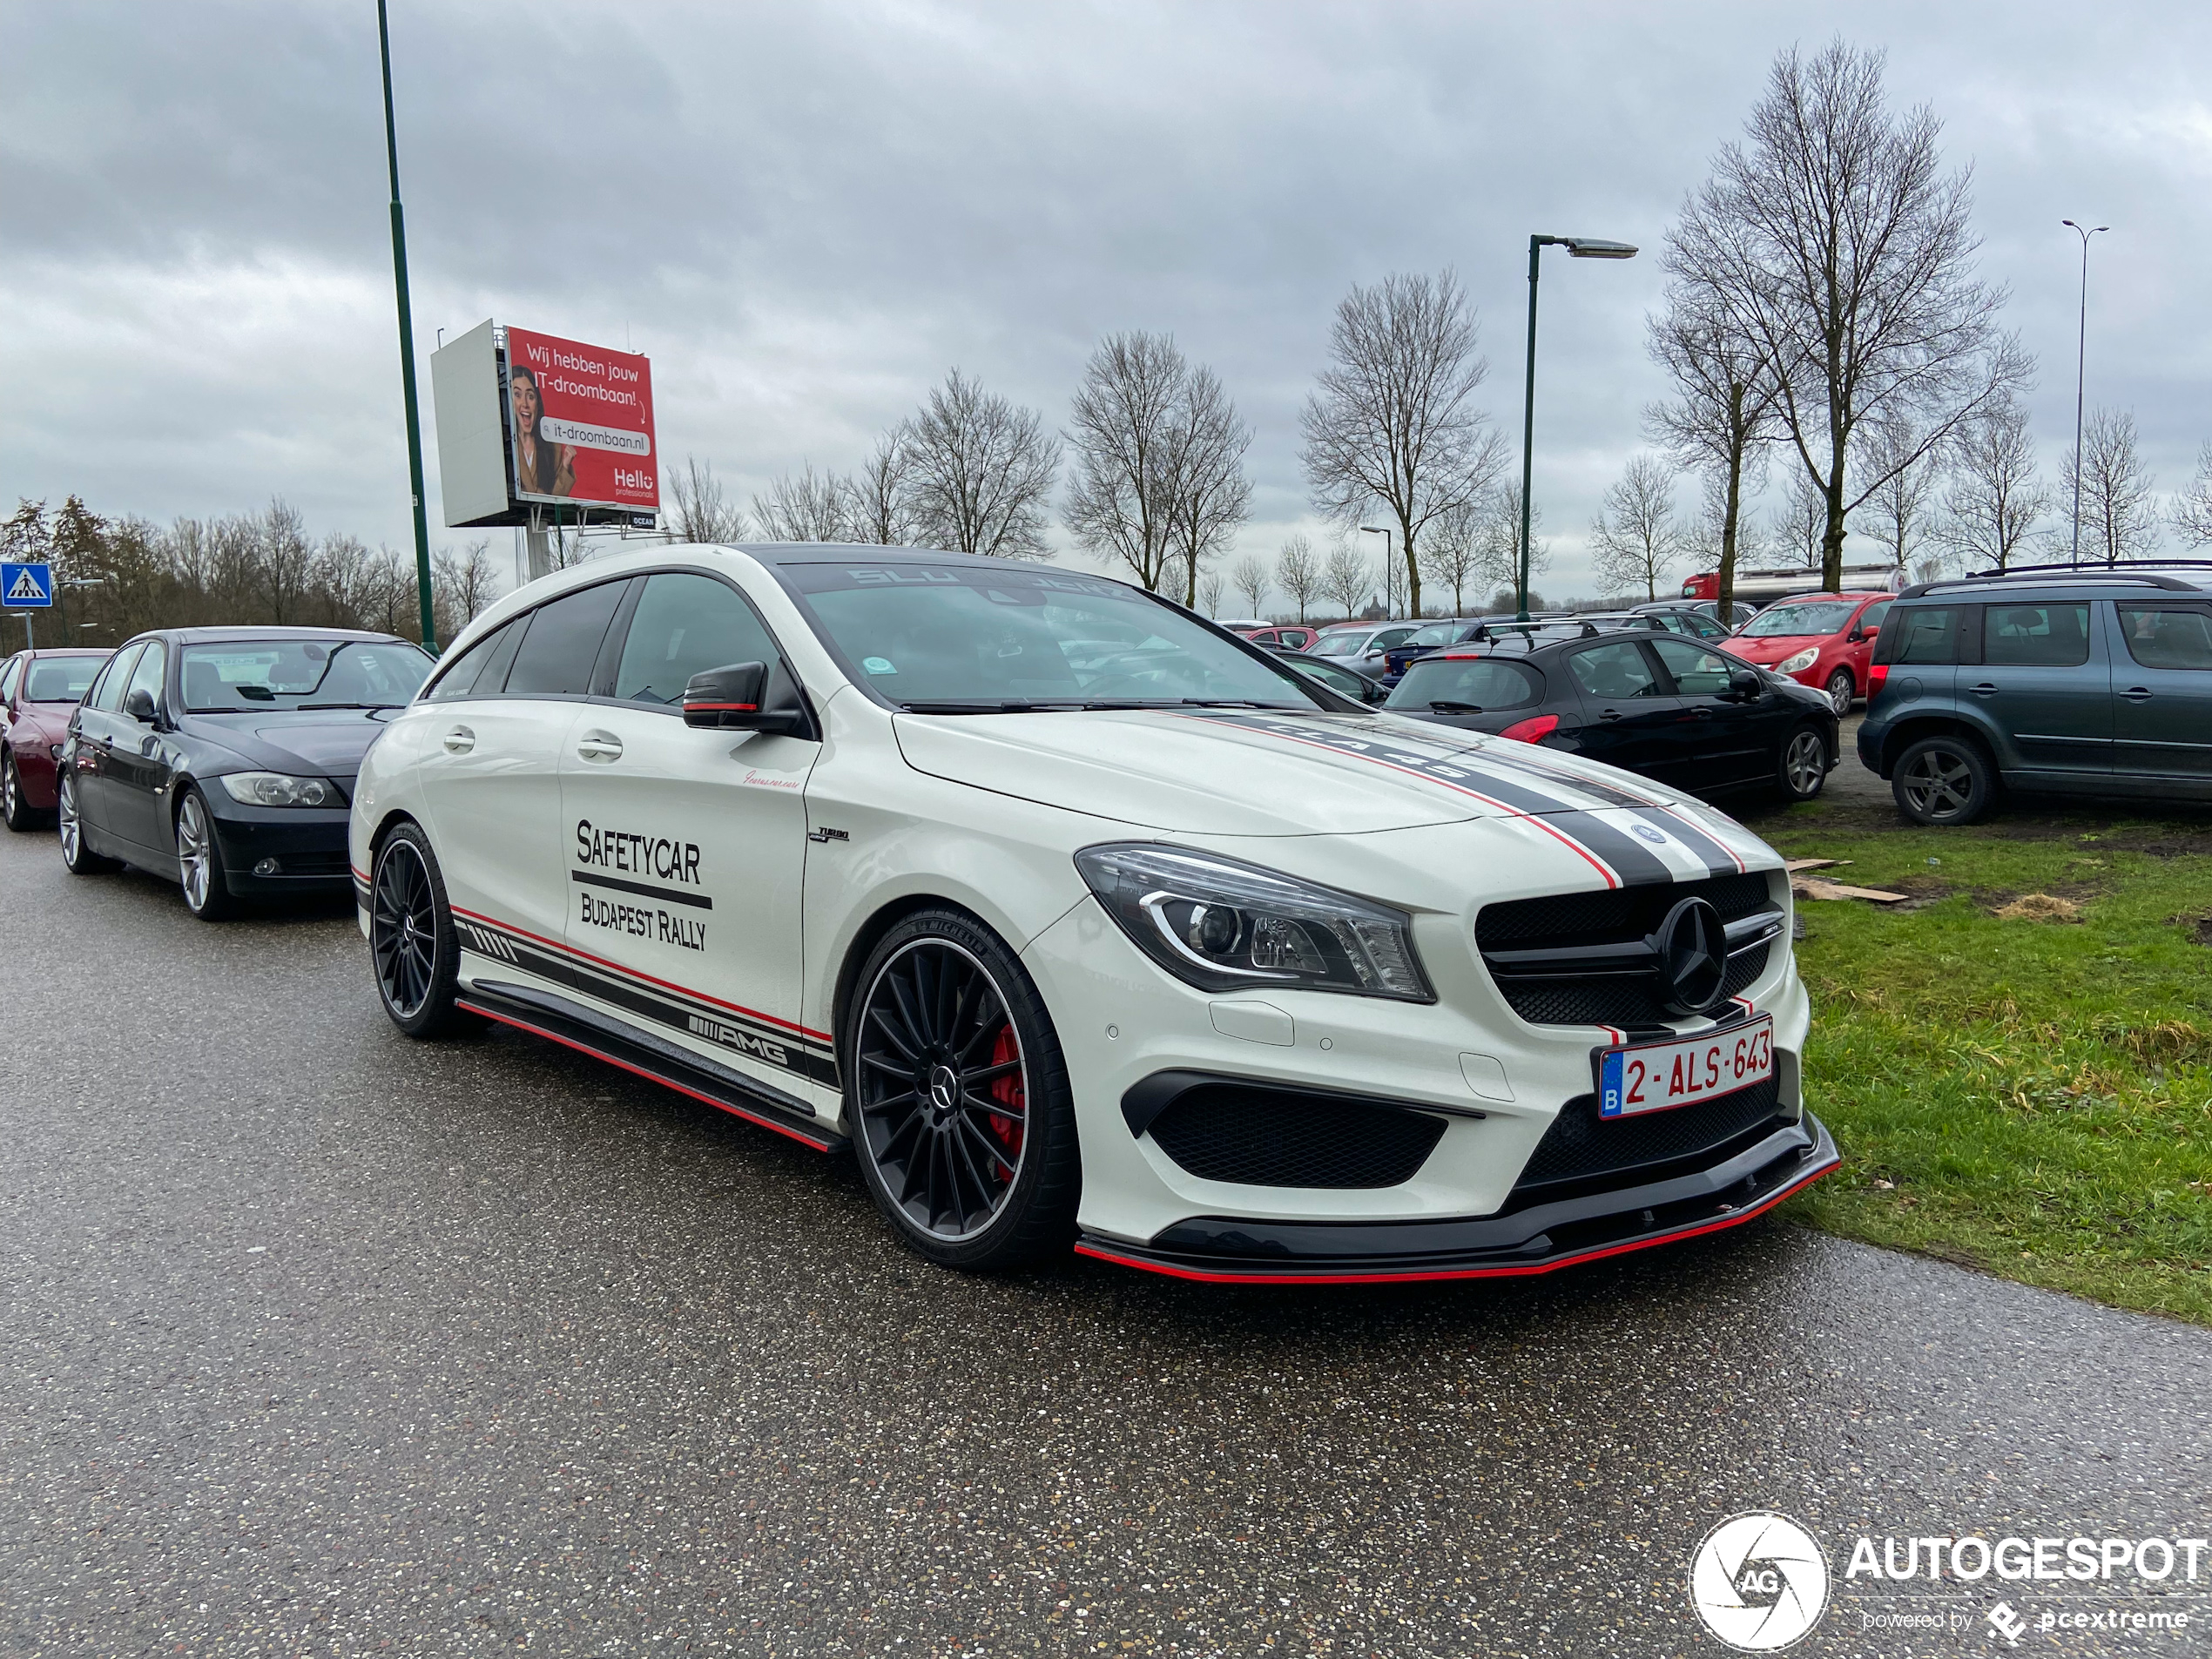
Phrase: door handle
(599, 745)
(1703, 713)
(2137, 694)
(460, 740)
(1610, 714)
(1983, 689)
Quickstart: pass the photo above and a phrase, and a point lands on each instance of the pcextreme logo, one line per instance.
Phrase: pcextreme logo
(1759, 1581)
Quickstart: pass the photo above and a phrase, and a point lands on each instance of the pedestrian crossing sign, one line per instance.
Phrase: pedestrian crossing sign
(26, 586)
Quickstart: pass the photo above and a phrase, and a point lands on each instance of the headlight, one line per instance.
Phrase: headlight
(275, 789)
(1222, 925)
(1798, 664)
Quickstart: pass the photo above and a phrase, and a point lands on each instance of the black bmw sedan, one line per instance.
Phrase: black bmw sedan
(1675, 710)
(225, 758)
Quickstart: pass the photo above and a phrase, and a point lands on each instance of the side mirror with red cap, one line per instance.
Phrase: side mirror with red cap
(746, 696)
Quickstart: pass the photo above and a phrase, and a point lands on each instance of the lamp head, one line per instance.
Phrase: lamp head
(1591, 248)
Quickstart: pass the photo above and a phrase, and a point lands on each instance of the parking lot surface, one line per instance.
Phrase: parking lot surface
(314, 1340)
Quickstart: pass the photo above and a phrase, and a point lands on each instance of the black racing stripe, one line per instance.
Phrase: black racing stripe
(1611, 794)
(1718, 862)
(1635, 864)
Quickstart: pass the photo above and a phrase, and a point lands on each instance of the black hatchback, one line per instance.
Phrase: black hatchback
(1680, 712)
(224, 757)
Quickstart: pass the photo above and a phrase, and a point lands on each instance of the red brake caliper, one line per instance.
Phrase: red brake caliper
(1006, 1091)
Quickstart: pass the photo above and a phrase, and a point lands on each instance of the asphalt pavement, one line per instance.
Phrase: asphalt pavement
(313, 1340)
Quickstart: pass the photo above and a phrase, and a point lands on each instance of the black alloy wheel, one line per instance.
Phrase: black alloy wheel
(412, 944)
(1804, 768)
(1841, 690)
(199, 861)
(14, 810)
(77, 857)
(1942, 781)
(959, 1100)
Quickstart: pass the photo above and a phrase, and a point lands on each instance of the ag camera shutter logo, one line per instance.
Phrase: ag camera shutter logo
(1759, 1581)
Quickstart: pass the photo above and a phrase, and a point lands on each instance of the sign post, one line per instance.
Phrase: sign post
(27, 588)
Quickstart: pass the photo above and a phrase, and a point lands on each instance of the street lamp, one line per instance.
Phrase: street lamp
(2081, 367)
(406, 344)
(1579, 247)
(1389, 569)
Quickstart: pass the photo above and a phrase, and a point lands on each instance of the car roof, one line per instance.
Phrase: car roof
(246, 632)
(2172, 575)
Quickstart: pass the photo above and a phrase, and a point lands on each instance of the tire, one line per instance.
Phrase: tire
(14, 810)
(413, 949)
(200, 860)
(957, 1098)
(1943, 782)
(1841, 690)
(77, 858)
(1801, 770)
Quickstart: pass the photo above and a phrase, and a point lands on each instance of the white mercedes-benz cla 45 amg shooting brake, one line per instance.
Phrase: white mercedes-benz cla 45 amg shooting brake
(1082, 921)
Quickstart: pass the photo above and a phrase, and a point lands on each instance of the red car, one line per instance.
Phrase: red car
(39, 690)
(1824, 640)
(1289, 636)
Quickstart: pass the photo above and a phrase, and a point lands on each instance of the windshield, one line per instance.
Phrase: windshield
(1341, 645)
(61, 680)
(1437, 633)
(1826, 617)
(301, 674)
(956, 638)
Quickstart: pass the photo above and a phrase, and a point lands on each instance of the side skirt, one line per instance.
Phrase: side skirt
(586, 1030)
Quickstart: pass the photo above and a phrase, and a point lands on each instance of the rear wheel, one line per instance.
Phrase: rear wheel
(1803, 767)
(1943, 782)
(13, 808)
(77, 857)
(1841, 690)
(200, 862)
(958, 1094)
(411, 943)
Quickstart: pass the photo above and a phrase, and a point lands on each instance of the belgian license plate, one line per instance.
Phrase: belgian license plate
(1659, 1076)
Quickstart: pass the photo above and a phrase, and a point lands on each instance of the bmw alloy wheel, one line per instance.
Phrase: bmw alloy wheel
(1804, 763)
(72, 832)
(943, 1089)
(195, 854)
(403, 929)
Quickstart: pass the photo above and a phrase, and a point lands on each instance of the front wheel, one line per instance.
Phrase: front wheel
(412, 942)
(1841, 690)
(1803, 767)
(961, 1112)
(14, 809)
(1943, 782)
(77, 858)
(199, 861)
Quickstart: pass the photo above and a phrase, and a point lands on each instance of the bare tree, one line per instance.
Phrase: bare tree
(1209, 595)
(1253, 579)
(1344, 577)
(804, 506)
(1296, 573)
(982, 471)
(1392, 419)
(1704, 533)
(287, 560)
(1124, 432)
(1803, 532)
(2193, 507)
(1995, 498)
(464, 580)
(1210, 494)
(703, 511)
(1453, 554)
(1498, 541)
(1721, 418)
(1839, 248)
(1636, 536)
(879, 505)
(2118, 519)
(1899, 513)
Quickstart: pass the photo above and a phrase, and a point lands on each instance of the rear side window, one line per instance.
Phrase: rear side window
(684, 625)
(563, 645)
(1921, 634)
(1615, 671)
(1481, 682)
(2041, 636)
(108, 694)
(2163, 636)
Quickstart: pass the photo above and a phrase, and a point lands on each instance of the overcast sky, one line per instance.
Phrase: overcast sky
(805, 213)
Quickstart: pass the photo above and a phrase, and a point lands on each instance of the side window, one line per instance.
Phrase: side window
(8, 677)
(684, 625)
(2163, 636)
(460, 680)
(108, 694)
(1615, 671)
(154, 664)
(1697, 672)
(2044, 635)
(1870, 618)
(1388, 637)
(563, 645)
(1922, 634)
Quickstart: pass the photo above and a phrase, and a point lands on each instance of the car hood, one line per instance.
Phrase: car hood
(1236, 771)
(327, 743)
(1772, 648)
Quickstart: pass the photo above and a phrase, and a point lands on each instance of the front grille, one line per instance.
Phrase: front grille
(1225, 1131)
(1581, 1145)
(315, 863)
(1568, 920)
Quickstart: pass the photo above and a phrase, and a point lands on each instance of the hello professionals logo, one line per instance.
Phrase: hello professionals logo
(1759, 1581)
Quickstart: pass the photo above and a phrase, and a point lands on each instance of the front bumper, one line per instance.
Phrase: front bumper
(1537, 1239)
(308, 844)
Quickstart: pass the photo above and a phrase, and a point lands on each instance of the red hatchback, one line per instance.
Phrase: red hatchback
(1825, 640)
(39, 690)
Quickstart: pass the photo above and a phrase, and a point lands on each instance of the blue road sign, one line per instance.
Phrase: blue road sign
(26, 586)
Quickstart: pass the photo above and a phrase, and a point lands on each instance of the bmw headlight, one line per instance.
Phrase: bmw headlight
(1798, 664)
(1222, 925)
(276, 789)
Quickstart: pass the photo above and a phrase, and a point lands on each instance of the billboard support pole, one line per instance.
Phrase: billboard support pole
(407, 343)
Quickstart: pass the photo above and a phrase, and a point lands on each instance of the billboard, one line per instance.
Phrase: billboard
(579, 424)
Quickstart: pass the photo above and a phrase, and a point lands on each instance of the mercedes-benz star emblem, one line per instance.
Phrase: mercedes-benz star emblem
(1692, 948)
(944, 1088)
